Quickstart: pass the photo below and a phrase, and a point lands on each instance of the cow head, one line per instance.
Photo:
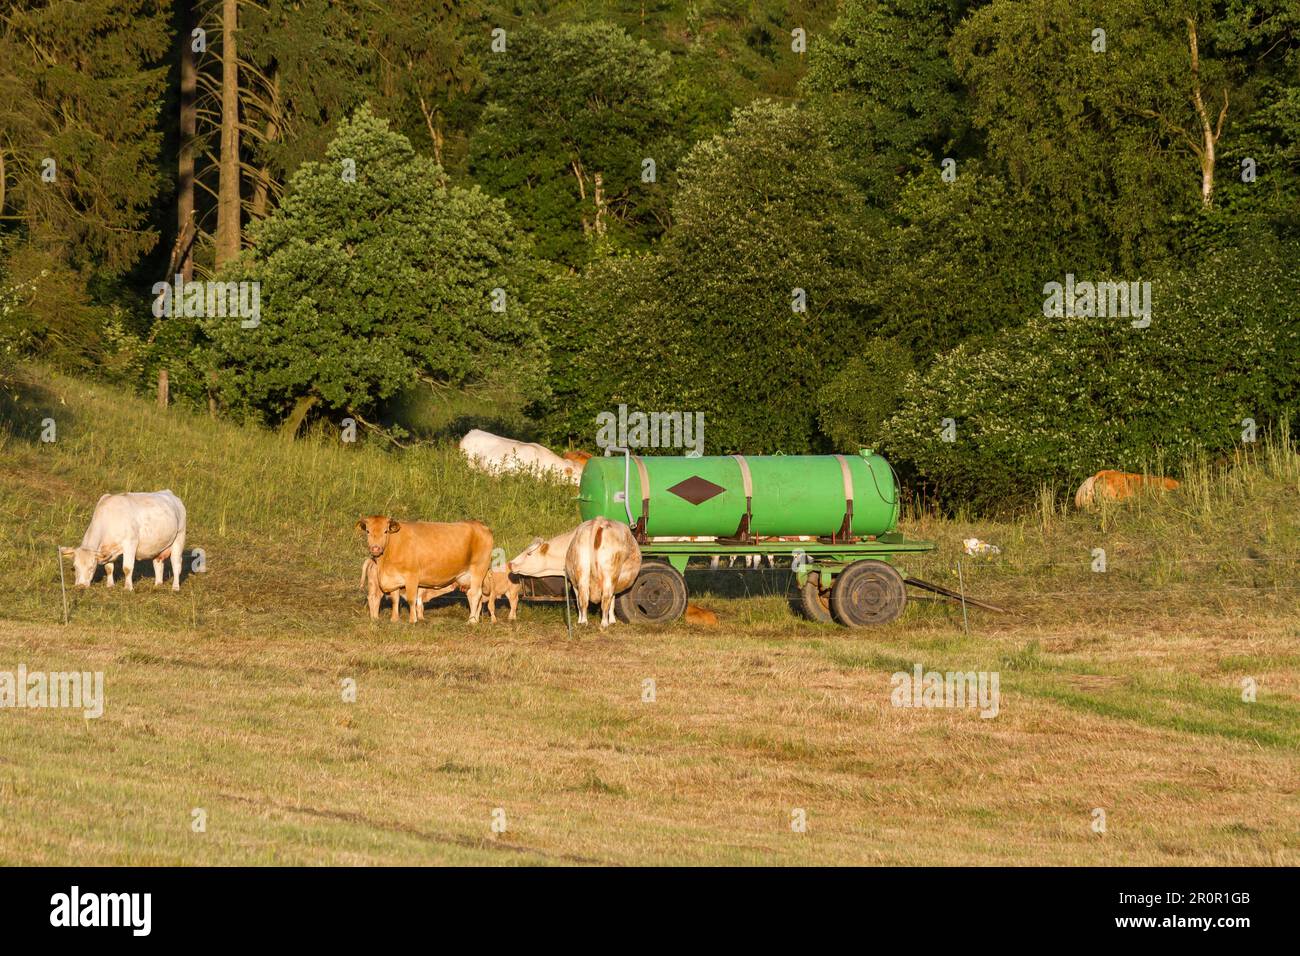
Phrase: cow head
(531, 560)
(377, 528)
(84, 561)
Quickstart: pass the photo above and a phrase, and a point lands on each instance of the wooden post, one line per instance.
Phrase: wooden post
(163, 391)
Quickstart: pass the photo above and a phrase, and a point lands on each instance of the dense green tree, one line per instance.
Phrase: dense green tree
(372, 285)
(573, 114)
(81, 86)
(853, 405)
(80, 90)
(1109, 112)
(752, 297)
(881, 76)
(967, 257)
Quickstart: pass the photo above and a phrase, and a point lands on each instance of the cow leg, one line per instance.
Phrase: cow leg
(606, 608)
(157, 572)
(583, 588)
(178, 558)
(420, 594)
(490, 601)
(373, 597)
(607, 598)
(513, 598)
(475, 596)
(128, 564)
(396, 597)
(108, 573)
(413, 599)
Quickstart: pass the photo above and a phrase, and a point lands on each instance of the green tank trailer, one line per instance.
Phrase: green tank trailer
(833, 516)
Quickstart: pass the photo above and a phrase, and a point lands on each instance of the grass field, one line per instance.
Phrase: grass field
(1120, 691)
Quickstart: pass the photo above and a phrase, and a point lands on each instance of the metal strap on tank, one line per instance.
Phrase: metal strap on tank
(747, 481)
(846, 529)
(645, 494)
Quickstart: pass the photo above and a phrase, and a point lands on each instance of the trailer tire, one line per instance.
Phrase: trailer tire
(868, 593)
(814, 602)
(657, 596)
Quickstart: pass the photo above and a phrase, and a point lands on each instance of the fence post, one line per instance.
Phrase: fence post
(961, 580)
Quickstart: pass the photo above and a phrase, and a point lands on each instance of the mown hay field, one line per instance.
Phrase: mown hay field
(1121, 691)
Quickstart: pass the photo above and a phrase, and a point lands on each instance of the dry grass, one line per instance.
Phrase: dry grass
(1119, 690)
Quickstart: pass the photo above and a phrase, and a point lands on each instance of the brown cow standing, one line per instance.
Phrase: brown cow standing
(411, 555)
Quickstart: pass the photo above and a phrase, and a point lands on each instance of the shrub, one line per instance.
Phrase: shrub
(853, 405)
(1061, 398)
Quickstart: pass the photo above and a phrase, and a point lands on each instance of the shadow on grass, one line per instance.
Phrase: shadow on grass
(143, 571)
(27, 407)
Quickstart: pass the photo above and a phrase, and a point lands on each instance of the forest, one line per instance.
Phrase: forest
(1005, 242)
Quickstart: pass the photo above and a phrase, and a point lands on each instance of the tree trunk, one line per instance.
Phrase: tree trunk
(600, 204)
(1209, 134)
(293, 423)
(435, 129)
(185, 172)
(262, 189)
(228, 192)
(163, 388)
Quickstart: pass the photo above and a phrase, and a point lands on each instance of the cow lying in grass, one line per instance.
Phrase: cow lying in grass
(412, 556)
(1117, 486)
(497, 455)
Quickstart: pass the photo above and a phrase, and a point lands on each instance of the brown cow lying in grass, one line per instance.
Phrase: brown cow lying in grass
(1118, 485)
(428, 556)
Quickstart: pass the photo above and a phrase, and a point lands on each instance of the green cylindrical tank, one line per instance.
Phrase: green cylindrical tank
(705, 497)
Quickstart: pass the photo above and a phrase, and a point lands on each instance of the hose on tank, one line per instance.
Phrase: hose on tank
(893, 503)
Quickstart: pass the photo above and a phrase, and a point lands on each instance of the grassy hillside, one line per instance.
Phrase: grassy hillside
(1120, 691)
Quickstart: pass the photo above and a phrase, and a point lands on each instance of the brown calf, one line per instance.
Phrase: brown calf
(496, 585)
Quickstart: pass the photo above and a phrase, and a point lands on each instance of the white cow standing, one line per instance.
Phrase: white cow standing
(133, 525)
(496, 455)
(603, 559)
(600, 558)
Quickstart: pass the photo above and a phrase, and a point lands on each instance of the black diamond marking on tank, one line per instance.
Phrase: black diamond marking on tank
(696, 490)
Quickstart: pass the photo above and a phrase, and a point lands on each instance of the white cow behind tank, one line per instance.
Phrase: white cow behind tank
(133, 525)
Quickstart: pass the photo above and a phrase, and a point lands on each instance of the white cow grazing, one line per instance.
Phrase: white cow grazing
(603, 559)
(134, 525)
(496, 455)
(542, 558)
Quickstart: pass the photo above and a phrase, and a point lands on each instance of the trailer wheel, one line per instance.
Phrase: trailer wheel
(814, 602)
(657, 596)
(868, 593)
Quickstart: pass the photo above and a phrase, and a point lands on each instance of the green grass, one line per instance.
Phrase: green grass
(1119, 690)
